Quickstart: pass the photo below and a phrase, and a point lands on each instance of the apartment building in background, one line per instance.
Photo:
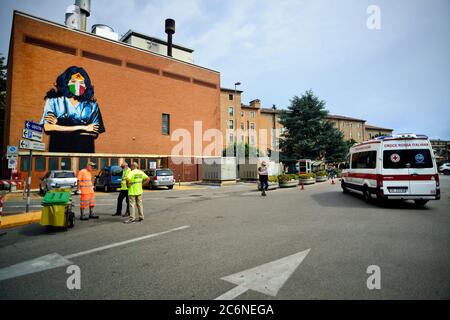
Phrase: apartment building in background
(352, 128)
(252, 119)
(374, 131)
(252, 124)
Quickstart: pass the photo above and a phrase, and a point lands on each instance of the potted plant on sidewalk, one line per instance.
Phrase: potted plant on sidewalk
(288, 180)
(307, 178)
(321, 176)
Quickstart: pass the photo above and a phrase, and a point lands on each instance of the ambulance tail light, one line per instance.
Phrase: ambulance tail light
(380, 186)
(436, 178)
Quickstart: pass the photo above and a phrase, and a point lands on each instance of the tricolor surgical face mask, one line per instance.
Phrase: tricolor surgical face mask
(77, 88)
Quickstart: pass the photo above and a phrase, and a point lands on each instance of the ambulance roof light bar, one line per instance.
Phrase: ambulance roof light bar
(410, 136)
(383, 137)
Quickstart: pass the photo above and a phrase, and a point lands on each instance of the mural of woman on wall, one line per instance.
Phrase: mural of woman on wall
(72, 116)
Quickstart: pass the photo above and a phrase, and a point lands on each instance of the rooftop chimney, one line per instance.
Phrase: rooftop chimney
(170, 30)
(255, 103)
(85, 8)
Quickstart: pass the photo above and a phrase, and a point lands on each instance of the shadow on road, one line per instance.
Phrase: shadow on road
(337, 199)
(353, 200)
(33, 230)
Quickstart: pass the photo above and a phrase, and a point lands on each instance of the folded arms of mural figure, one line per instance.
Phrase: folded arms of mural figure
(51, 125)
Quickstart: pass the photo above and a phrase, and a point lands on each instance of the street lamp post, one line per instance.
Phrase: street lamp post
(235, 128)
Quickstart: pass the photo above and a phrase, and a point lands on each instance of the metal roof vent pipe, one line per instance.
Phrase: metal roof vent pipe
(85, 8)
(170, 30)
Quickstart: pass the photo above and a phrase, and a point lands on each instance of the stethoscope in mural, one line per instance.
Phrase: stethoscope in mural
(72, 117)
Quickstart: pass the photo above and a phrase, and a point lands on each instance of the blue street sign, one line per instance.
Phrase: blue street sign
(33, 126)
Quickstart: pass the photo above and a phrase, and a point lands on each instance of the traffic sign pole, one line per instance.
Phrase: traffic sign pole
(27, 209)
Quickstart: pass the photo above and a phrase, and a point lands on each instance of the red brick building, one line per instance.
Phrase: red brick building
(142, 96)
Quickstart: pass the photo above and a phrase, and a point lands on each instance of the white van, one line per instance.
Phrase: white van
(393, 167)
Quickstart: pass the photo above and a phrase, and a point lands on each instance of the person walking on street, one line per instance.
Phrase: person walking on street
(332, 172)
(263, 178)
(123, 192)
(135, 179)
(87, 195)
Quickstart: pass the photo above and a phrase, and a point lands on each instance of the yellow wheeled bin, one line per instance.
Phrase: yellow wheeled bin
(57, 210)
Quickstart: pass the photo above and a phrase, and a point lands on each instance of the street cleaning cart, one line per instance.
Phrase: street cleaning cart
(57, 210)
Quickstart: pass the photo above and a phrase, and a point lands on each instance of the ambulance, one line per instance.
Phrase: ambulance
(401, 167)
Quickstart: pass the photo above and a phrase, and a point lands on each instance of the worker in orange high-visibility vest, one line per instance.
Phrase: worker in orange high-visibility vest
(86, 188)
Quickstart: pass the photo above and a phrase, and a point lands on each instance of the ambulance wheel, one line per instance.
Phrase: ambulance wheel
(366, 195)
(420, 203)
(344, 187)
(446, 172)
(170, 187)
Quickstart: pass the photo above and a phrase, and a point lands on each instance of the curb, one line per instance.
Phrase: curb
(17, 220)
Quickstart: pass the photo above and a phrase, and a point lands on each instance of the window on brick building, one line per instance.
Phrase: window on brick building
(39, 164)
(24, 163)
(165, 124)
(53, 163)
(230, 124)
(82, 162)
(230, 97)
(230, 111)
(66, 164)
(103, 163)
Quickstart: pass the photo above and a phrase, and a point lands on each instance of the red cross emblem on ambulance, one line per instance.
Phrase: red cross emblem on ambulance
(395, 157)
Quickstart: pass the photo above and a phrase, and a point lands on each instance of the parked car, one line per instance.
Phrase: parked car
(445, 168)
(108, 179)
(160, 178)
(58, 179)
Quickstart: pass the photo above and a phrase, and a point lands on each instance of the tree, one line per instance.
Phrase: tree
(309, 135)
(249, 150)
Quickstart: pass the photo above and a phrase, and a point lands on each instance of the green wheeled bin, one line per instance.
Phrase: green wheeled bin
(57, 210)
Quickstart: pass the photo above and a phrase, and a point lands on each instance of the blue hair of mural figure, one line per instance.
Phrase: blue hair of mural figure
(62, 89)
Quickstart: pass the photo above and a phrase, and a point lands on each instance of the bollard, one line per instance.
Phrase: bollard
(302, 187)
(332, 181)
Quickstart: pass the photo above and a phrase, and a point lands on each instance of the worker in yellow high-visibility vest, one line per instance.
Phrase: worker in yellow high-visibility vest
(135, 179)
(123, 192)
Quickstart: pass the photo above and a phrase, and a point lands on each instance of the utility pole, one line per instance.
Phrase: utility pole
(235, 128)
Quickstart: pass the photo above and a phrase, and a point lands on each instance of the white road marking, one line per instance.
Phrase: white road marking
(47, 262)
(267, 278)
(118, 244)
(55, 260)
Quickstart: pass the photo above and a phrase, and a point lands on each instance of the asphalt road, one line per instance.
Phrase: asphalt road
(228, 230)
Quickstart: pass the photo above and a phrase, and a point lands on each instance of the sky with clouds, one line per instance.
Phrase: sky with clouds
(396, 77)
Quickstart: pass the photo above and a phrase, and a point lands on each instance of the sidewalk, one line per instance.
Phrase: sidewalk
(18, 195)
(21, 219)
